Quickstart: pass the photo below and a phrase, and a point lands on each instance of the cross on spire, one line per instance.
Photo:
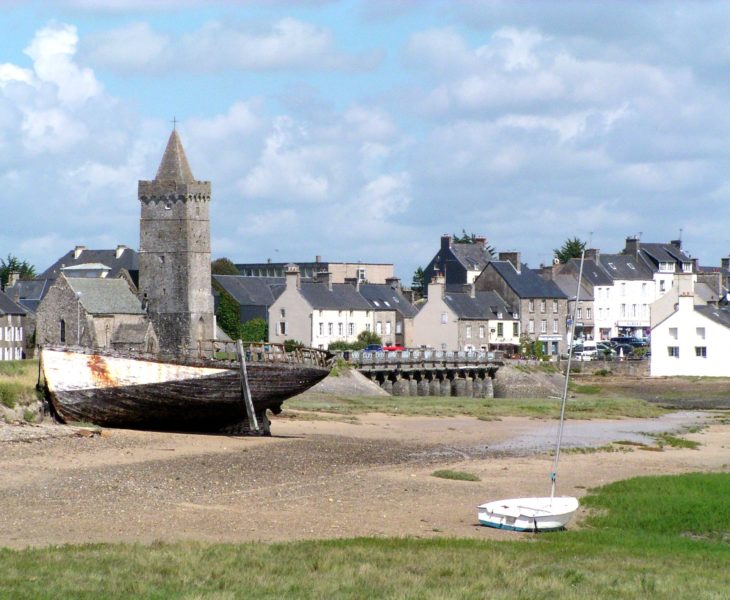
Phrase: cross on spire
(174, 123)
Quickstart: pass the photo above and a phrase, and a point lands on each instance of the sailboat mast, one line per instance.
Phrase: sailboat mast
(554, 473)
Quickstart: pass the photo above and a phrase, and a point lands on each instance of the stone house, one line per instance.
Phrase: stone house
(392, 313)
(454, 319)
(458, 263)
(541, 305)
(12, 335)
(94, 312)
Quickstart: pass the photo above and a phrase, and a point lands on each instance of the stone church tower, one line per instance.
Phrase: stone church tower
(174, 253)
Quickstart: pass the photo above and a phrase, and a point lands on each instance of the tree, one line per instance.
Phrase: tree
(223, 266)
(368, 337)
(254, 330)
(14, 265)
(471, 238)
(227, 314)
(418, 284)
(571, 248)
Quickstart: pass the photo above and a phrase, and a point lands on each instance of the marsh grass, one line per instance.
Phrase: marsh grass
(673, 441)
(455, 475)
(17, 382)
(651, 537)
(588, 407)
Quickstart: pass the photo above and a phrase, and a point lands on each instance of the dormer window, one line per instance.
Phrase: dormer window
(612, 266)
(666, 267)
(631, 266)
(687, 267)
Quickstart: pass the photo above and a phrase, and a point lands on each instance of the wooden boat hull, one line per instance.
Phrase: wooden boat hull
(528, 514)
(114, 390)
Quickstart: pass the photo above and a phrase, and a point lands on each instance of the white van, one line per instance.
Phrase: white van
(588, 350)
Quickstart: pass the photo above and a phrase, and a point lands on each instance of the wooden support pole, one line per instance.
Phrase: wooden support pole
(245, 390)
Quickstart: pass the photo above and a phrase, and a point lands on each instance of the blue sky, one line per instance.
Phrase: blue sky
(364, 130)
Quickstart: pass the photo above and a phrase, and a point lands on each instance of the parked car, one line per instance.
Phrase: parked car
(632, 341)
(624, 350)
(373, 348)
(393, 348)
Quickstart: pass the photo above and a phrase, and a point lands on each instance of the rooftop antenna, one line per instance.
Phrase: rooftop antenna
(680, 234)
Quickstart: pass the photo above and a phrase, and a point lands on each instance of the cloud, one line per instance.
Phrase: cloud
(283, 45)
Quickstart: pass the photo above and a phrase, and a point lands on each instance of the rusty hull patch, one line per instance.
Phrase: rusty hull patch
(100, 371)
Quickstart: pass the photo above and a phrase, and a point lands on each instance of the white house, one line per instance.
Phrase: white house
(693, 338)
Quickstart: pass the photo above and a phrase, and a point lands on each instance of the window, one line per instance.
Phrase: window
(500, 329)
(321, 329)
(379, 327)
(673, 333)
(623, 310)
(643, 289)
(398, 327)
(700, 332)
(555, 306)
(367, 326)
(687, 267)
(673, 351)
(444, 318)
(555, 325)
(351, 329)
(481, 331)
(543, 326)
(330, 328)
(515, 329)
(600, 313)
(633, 310)
(579, 314)
(588, 312)
(388, 326)
(282, 327)
(361, 274)
(531, 305)
(666, 267)
(662, 286)
(531, 326)
(283, 313)
(63, 331)
(701, 351)
(543, 306)
(340, 328)
(468, 331)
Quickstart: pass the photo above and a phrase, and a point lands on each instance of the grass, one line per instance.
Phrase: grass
(589, 407)
(17, 382)
(666, 439)
(455, 475)
(650, 537)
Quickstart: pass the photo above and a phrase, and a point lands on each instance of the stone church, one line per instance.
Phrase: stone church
(172, 310)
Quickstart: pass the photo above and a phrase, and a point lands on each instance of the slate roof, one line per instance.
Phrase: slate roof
(174, 165)
(474, 257)
(8, 307)
(484, 305)
(568, 283)
(106, 296)
(382, 296)
(624, 266)
(130, 333)
(720, 315)
(129, 260)
(705, 292)
(30, 292)
(592, 273)
(343, 296)
(252, 291)
(663, 253)
(527, 283)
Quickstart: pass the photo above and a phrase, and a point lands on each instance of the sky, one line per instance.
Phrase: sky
(364, 130)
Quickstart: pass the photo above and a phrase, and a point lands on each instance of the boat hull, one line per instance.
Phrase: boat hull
(528, 514)
(125, 391)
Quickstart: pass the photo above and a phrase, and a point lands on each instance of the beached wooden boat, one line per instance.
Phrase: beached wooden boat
(116, 389)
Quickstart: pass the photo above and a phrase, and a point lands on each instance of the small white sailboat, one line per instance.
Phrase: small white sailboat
(547, 513)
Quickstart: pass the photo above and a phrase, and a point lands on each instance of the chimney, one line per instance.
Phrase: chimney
(13, 278)
(326, 278)
(445, 241)
(593, 254)
(437, 287)
(695, 265)
(481, 241)
(292, 277)
(318, 259)
(472, 290)
(512, 257)
(78, 250)
(393, 282)
(547, 272)
(676, 243)
(633, 245)
(354, 282)
(120, 250)
(725, 263)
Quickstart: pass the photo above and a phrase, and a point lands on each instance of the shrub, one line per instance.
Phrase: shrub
(9, 393)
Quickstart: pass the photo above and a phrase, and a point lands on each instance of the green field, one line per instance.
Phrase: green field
(654, 537)
(579, 406)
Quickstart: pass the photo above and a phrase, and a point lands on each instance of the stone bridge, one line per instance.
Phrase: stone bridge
(430, 372)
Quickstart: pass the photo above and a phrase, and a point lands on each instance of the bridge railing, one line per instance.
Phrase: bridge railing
(420, 356)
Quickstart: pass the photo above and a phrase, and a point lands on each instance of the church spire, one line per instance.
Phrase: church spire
(174, 165)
